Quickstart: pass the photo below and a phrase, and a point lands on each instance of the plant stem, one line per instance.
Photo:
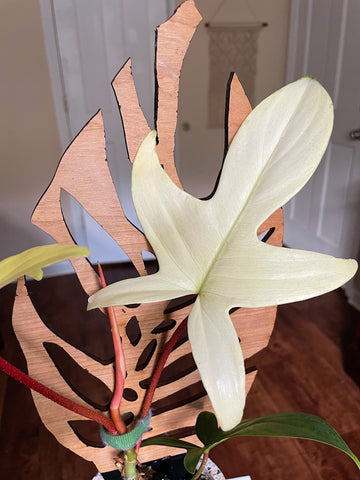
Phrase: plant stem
(130, 459)
(160, 366)
(202, 466)
(149, 395)
(22, 377)
(120, 366)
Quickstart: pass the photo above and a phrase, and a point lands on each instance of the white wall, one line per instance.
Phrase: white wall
(201, 149)
(29, 143)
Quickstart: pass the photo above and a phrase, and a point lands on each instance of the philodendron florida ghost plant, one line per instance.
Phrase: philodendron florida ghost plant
(211, 248)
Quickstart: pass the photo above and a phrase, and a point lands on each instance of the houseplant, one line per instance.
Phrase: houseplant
(220, 281)
(289, 119)
(312, 273)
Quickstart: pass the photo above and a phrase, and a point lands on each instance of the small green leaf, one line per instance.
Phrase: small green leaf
(207, 428)
(168, 442)
(192, 458)
(193, 451)
(31, 261)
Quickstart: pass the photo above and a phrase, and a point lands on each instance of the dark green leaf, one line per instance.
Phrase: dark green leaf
(207, 428)
(168, 442)
(192, 458)
(290, 425)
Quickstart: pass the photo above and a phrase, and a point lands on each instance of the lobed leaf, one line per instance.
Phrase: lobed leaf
(211, 247)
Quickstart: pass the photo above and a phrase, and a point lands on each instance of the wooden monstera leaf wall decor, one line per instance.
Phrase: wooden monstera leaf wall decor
(59, 361)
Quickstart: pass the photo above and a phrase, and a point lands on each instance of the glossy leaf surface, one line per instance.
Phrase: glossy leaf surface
(211, 247)
(290, 425)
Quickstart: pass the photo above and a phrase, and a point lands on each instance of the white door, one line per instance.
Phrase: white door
(91, 40)
(324, 41)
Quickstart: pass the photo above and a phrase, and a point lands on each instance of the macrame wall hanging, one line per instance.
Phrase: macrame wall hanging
(233, 47)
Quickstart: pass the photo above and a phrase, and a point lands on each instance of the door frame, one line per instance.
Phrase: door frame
(55, 71)
(300, 34)
(76, 217)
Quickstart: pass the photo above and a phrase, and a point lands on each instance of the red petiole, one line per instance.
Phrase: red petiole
(158, 371)
(160, 366)
(22, 377)
(115, 425)
(120, 366)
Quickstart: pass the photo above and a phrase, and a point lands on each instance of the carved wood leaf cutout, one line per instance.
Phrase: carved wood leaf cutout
(83, 172)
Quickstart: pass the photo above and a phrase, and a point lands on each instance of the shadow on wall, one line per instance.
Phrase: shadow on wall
(29, 143)
(16, 238)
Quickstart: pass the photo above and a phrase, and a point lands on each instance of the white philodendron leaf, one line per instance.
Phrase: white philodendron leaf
(211, 247)
(30, 262)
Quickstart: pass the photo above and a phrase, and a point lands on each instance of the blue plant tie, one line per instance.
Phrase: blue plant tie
(127, 440)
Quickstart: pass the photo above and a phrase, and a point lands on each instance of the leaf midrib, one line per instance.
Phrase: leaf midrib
(237, 218)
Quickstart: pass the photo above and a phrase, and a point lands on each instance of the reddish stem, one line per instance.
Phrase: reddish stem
(202, 466)
(120, 366)
(149, 395)
(22, 377)
(160, 366)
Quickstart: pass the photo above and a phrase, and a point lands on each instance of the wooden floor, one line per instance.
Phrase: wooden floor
(301, 370)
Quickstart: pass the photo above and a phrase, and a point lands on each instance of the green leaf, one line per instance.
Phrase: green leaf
(168, 442)
(192, 458)
(30, 262)
(294, 425)
(193, 453)
(211, 247)
(289, 425)
(206, 427)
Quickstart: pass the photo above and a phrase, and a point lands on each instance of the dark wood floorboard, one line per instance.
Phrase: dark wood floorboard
(301, 370)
